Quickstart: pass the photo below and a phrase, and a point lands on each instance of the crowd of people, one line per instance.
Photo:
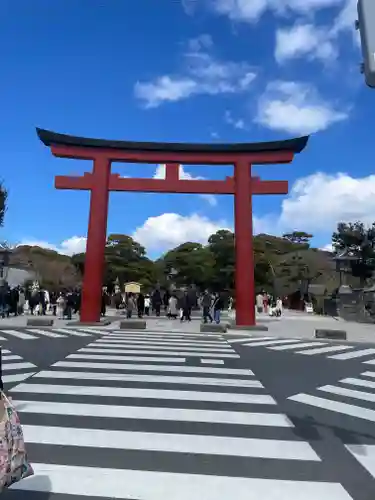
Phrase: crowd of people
(268, 304)
(38, 301)
(177, 304)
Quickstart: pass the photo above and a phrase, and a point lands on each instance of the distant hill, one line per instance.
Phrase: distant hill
(283, 253)
(51, 268)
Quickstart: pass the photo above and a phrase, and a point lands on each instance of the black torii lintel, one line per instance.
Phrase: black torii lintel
(50, 138)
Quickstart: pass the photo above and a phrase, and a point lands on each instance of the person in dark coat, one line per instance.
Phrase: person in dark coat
(141, 305)
(104, 302)
(186, 307)
(218, 307)
(156, 302)
(206, 303)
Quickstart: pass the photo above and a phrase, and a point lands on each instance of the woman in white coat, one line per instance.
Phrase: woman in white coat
(172, 307)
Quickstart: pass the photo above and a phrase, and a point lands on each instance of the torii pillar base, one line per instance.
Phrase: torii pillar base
(102, 322)
(253, 328)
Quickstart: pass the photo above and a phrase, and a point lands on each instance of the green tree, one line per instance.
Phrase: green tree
(356, 240)
(78, 261)
(221, 245)
(299, 238)
(192, 263)
(295, 267)
(3, 203)
(124, 259)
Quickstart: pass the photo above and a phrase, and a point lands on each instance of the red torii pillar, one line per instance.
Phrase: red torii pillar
(100, 182)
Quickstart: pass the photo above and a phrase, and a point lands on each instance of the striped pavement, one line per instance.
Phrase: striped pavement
(43, 333)
(331, 350)
(119, 421)
(15, 368)
(351, 397)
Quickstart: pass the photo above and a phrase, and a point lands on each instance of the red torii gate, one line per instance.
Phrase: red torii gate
(101, 181)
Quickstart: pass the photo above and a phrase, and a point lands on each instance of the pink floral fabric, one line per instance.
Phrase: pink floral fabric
(14, 465)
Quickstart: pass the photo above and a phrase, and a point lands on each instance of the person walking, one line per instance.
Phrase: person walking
(206, 303)
(130, 306)
(218, 307)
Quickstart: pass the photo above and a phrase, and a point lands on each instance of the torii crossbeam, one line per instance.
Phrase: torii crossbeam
(101, 181)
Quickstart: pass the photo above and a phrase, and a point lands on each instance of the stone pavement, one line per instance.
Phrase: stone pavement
(291, 324)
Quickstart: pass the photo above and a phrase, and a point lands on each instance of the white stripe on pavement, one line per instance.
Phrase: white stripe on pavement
(212, 361)
(46, 333)
(170, 443)
(153, 368)
(353, 354)
(17, 366)
(155, 413)
(127, 392)
(368, 374)
(16, 377)
(6, 351)
(163, 352)
(72, 332)
(103, 357)
(19, 335)
(165, 335)
(324, 350)
(297, 346)
(249, 339)
(133, 338)
(370, 362)
(270, 343)
(91, 330)
(342, 391)
(365, 454)
(335, 406)
(217, 345)
(146, 485)
(157, 379)
(8, 357)
(2, 338)
(359, 382)
(125, 347)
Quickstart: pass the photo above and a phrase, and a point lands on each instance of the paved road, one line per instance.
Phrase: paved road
(26, 350)
(154, 417)
(329, 397)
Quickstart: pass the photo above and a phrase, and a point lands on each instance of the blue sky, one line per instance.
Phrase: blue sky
(184, 70)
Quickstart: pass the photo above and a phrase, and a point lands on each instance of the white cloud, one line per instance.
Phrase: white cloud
(296, 108)
(317, 42)
(237, 123)
(160, 174)
(171, 229)
(70, 246)
(318, 202)
(304, 40)
(327, 248)
(251, 10)
(202, 74)
(346, 18)
(189, 6)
